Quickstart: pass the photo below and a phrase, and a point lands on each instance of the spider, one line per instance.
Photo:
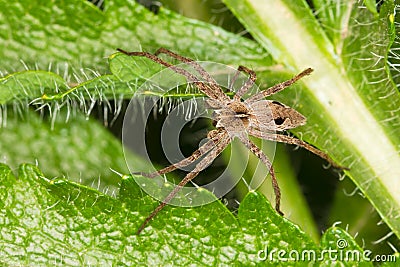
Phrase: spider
(234, 118)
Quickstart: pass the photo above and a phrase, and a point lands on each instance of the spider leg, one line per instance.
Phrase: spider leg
(278, 87)
(233, 80)
(248, 84)
(203, 73)
(294, 141)
(264, 159)
(190, 176)
(214, 136)
(204, 87)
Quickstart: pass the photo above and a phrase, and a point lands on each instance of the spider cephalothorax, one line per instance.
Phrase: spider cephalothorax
(234, 118)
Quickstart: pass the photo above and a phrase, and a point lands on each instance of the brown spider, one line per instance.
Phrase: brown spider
(234, 118)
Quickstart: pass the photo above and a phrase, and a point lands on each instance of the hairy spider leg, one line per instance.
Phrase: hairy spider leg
(264, 159)
(294, 141)
(233, 80)
(203, 73)
(278, 87)
(215, 137)
(192, 78)
(190, 176)
(247, 85)
(210, 80)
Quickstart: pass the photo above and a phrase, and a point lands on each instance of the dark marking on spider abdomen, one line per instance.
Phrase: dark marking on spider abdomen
(286, 117)
(277, 103)
(279, 121)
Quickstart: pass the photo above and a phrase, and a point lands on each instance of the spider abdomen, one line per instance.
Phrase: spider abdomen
(274, 116)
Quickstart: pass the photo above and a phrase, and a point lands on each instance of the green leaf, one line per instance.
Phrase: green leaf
(350, 101)
(46, 221)
(293, 202)
(371, 5)
(392, 260)
(84, 44)
(51, 38)
(28, 84)
(338, 244)
(354, 212)
(66, 36)
(77, 147)
(394, 55)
